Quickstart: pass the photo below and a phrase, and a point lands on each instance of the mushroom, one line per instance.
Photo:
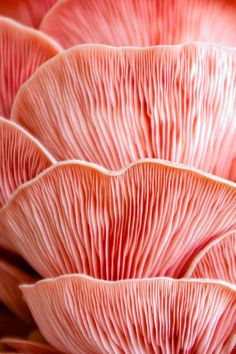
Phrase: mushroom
(217, 260)
(22, 158)
(112, 106)
(23, 50)
(141, 22)
(149, 219)
(79, 314)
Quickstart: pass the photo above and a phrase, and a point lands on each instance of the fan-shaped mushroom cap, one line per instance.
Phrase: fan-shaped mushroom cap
(23, 50)
(28, 12)
(112, 106)
(11, 276)
(141, 22)
(22, 158)
(217, 260)
(149, 219)
(78, 314)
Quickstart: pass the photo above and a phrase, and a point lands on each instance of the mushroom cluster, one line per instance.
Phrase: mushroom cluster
(118, 176)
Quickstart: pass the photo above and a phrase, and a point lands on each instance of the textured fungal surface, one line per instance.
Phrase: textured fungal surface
(113, 106)
(28, 12)
(23, 50)
(217, 260)
(118, 176)
(81, 315)
(21, 158)
(141, 22)
(148, 220)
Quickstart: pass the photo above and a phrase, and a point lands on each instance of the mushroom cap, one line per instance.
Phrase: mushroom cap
(141, 22)
(22, 158)
(149, 219)
(112, 106)
(23, 50)
(217, 260)
(28, 12)
(78, 314)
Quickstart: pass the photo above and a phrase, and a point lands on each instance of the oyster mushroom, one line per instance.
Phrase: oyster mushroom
(28, 12)
(22, 158)
(78, 314)
(23, 50)
(112, 106)
(147, 220)
(141, 22)
(217, 260)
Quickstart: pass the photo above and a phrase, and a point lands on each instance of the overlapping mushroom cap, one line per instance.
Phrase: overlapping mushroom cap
(113, 106)
(22, 158)
(148, 220)
(23, 50)
(141, 22)
(78, 314)
(153, 218)
(28, 12)
(217, 260)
